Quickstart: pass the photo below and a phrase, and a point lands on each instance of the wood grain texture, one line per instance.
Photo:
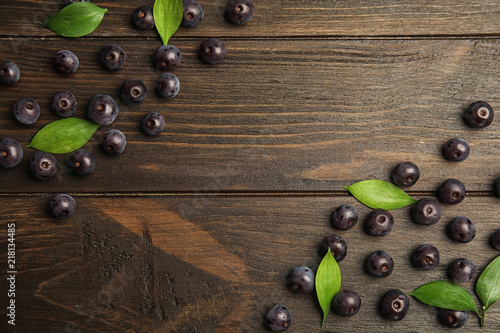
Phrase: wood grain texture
(216, 264)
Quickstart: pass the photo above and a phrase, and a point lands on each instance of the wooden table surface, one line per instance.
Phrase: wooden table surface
(195, 230)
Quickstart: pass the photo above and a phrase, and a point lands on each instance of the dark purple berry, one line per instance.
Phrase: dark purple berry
(43, 165)
(11, 153)
(279, 318)
(133, 91)
(379, 264)
(478, 115)
(166, 58)
(168, 85)
(495, 239)
(461, 270)
(82, 162)
(66, 62)
(461, 229)
(69, 2)
(426, 211)
(425, 257)
(379, 222)
(337, 245)
(456, 149)
(64, 104)
(451, 191)
(346, 303)
(405, 174)
(26, 111)
(114, 142)
(452, 318)
(112, 57)
(143, 18)
(344, 217)
(239, 11)
(394, 305)
(102, 109)
(212, 51)
(193, 13)
(62, 206)
(153, 123)
(9, 73)
(301, 280)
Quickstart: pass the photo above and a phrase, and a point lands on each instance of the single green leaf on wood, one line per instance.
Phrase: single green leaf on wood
(488, 284)
(168, 16)
(380, 194)
(63, 135)
(327, 282)
(76, 20)
(445, 295)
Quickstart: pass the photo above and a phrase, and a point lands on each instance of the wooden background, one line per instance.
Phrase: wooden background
(196, 229)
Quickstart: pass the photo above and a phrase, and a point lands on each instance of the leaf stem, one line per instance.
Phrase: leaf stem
(482, 315)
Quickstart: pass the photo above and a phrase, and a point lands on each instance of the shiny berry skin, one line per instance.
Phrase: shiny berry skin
(301, 280)
(425, 257)
(26, 111)
(451, 191)
(279, 318)
(452, 318)
(66, 62)
(426, 211)
(394, 305)
(9, 73)
(405, 174)
(239, 11)
(212, 51)
(192, 13)
(168, 85)
(337, 245)
(344, 217)
(166, 58)
(495, 239)
(62, 206)
(153, 123)
(11, 153)
(114, 142)
(379, 264)
(456, 150)
(379, 222)
(143, 19)
(461, 229)
(346, 303)
(43, 165)
(461, 270)
(133, 91)
(102, 109)
(82, 162)
(64, 104)
(112, 57)
(478, 115)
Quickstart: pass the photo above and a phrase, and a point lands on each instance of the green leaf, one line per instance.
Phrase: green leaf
(168, 16)
(63, 135)
(380, 194)
(488, 284)
(445, 295)
(327, 283)
(76, 20)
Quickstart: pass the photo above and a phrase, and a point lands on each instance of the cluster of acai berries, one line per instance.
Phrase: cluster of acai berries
(102, 108)
(395, 303)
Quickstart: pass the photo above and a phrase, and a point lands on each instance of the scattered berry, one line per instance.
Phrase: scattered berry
(153, 123)
(452, 318)
(425, 257)
(456, 149)
(102, 109)
(168, 85)
(114, 142)
(112, 57)
(62, 206)
(279, 318)
(405, 174)
(82, 162)
(394, 305)
(212, 51)
(478, 115)
(133, 91)
(193, 13)
(337, 245)
(426, 211)
(301, 280)
(461, 229)
(239, 11)
(379, 264)
(451, 191)
(26, 111)
(379, 222)
(64, 104)
(495, 239)
(166, 58)
(143, 18)
(461, 270)
(11, 153)
(43, 165)
(66, 62)
(9, 73)
(344, 217)
(346, 303)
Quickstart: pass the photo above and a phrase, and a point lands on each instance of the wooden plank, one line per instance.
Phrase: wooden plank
(284, 19)
(215, 263)
(303, 115)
